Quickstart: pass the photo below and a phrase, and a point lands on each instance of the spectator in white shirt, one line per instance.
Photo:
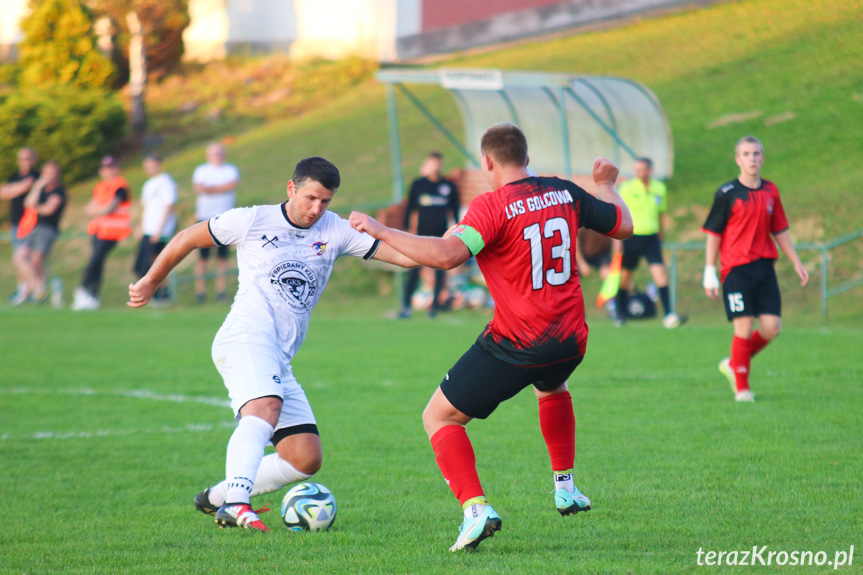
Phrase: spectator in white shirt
(159, 218)
(215, 183)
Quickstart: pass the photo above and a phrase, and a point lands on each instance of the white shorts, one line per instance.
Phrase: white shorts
(252, 366)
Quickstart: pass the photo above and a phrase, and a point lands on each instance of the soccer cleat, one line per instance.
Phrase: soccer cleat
(728, 372)
(20, 298)
(202, 502)
(404, 313)
(475, 529)
(673, 320)
(745, 395)
(568, 503)
(241, 515)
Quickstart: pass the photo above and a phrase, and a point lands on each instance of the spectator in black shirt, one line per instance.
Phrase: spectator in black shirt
(15, 189)
(48, 198)
(432, 200)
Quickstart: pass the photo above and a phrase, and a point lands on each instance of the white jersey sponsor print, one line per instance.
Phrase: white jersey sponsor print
(283, 269)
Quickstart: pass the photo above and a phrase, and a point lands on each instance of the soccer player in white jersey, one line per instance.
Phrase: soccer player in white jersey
(285, 254)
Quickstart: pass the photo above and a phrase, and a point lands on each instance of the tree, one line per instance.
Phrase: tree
(163, 23)
(59, 47)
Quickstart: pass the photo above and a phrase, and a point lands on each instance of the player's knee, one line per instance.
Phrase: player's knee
(309, 463)
(770, 332)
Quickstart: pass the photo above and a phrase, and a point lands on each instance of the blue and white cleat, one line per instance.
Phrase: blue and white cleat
(568, 503)
(474, 529)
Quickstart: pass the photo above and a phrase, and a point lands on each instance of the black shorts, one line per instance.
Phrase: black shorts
(751, 290)
(637, 246)
(598, 261)
(222, 252)
(479, 382)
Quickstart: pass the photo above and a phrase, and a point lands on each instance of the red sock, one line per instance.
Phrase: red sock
(741, 355)
(757, 343)
(557, 422)
(455, 458)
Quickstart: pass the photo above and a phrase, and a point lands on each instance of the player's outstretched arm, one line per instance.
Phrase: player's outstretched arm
(787, 247)
(604, 176)
(440, 253)
(193, 237)
(390, 255)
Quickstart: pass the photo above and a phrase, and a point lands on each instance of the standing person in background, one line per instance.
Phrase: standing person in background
(432, 201)
(215, 184)
(15, 189)
(745, 213)
(646, 198)
(47, 198)
(158, 220)
(110, 209)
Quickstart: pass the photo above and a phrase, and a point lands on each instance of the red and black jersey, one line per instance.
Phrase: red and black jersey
(523, 236)
(744, 219)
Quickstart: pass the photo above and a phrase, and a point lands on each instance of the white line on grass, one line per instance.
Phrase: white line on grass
(192, 427)
(137, 393)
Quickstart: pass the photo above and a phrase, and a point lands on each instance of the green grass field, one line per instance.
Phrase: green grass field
(113, 421)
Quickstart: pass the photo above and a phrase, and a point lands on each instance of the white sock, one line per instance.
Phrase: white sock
(245, 451)
(564, 481)
(273, 474)
(473, 511)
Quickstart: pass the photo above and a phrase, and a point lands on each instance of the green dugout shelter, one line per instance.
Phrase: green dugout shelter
(568, 119)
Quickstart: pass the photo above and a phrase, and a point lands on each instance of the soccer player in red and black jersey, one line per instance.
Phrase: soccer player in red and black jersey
(523, 235)
(745, 213)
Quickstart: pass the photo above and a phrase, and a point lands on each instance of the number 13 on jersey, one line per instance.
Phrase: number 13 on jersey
(559, 251)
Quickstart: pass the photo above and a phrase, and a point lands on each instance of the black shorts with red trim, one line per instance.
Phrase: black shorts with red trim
(479, 381)
(751, 290)
(636, 247)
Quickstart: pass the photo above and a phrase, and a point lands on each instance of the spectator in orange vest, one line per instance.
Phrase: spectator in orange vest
(110, 209)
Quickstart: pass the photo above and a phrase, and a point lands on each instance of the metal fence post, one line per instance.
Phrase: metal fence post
(825, 254)
(673, 282)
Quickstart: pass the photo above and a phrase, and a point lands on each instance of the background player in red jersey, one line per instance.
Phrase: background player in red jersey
(523, 235)
(745, 213)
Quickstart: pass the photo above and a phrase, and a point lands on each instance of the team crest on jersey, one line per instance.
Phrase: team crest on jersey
(770, 206)
(319, 247)
(295, 283)
(443, 190)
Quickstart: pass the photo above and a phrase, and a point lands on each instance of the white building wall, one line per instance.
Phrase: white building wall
(206, 37)
(11, 13)
(337, 28)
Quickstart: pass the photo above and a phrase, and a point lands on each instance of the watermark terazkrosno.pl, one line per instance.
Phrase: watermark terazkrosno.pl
(764, 556)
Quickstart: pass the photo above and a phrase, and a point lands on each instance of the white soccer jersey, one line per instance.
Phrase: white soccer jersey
(283, 269)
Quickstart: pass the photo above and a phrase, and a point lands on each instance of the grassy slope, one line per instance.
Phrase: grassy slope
(670, 462)
(768, 56)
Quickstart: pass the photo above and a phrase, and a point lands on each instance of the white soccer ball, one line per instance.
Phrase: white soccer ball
(308, 507)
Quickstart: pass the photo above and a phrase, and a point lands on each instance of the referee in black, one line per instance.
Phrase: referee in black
(431, 201)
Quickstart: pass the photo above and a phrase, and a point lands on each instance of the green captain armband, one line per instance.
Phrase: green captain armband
(471, 238)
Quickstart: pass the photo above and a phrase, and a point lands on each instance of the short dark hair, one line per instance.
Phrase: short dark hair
(154, 157)
(435, 154)
(506, 144)
(645, 160)
(318, 169)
